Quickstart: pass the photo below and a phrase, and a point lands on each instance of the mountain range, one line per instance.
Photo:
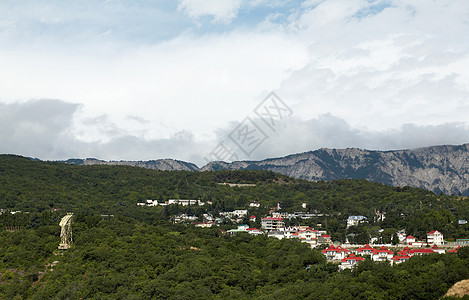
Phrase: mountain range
(441, 169)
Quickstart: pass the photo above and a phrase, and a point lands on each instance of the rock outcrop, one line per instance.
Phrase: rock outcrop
(439, 168)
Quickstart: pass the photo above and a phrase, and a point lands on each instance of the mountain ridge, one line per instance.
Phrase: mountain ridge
(442, 168)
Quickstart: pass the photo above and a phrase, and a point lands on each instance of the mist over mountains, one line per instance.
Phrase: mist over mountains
(438, 168)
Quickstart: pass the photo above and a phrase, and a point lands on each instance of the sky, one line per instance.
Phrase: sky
(203, 80)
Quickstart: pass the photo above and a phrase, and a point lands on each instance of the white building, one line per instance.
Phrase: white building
(409, 240)
(435, 237)
(240, 212)
(307, 235)
(335, 253)
(401, 235)
(438, 250)
(254, 204)
(382, 254)
(276, 234)
(183, 218)
(241, 228)
(399, 259)
(272, 223)
(254, 231)
(185, 202)
(355, 220)
(204, 224)
(350, 262)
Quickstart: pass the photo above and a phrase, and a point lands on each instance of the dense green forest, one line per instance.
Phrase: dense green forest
(139, 254)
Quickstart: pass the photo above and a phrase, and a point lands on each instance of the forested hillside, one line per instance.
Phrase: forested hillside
(37, 187)
(139, 254)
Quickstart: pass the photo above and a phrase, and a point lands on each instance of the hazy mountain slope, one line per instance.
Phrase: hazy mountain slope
(438, 168)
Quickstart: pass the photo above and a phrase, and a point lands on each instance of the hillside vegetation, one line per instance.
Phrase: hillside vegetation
(139, 254)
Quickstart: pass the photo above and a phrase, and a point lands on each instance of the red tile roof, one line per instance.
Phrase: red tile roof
(340, 249)
(454, 250)
(434, 232)
(334, 249)
(353, 257)
(367, 247)
(383, 249)
(421, 251)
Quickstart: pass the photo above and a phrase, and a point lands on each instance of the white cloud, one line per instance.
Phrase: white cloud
(189, 82)
(380, 71)
(222, 11)
(355, 71)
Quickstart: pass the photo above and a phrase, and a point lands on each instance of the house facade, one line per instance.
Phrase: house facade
(335, 253)
(382, 254)
(272, 223)
(435, 237)
(366, 250)
(307, 235)
(399, 259)
(409, 240)
(350, 261)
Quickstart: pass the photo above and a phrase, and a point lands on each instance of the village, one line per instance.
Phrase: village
(347, 254)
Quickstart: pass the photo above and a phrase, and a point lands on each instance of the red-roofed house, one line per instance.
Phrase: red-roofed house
(404, 252)
(324, 239)
(438, 250)
(335, 253)
(252, 218)
(307, 235)
(409, 240)
(367, 250)
(350, 261)
(435, 237)
(399, 259)
(272, 223)
(382, 254)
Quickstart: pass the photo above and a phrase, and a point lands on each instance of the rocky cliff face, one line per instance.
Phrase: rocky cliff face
(160, 164)
(439, 168)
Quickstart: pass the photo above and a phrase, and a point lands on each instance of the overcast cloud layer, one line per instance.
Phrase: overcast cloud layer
(146, 80)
